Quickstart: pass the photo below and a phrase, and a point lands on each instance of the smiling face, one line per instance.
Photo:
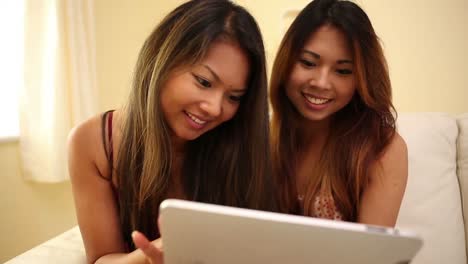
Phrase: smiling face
(197, 99)
(322, 80)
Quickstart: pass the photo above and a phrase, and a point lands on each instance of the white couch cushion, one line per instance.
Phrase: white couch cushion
(432, 203)
(462, 162)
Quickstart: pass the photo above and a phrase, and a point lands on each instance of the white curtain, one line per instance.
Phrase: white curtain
(59, 83)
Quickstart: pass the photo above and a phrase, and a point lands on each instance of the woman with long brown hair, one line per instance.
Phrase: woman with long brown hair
(195, 127)
(336, 153)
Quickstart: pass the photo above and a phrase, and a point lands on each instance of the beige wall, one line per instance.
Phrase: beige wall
(426, 46)
(30, 213)
(121, 28)
(425, 42)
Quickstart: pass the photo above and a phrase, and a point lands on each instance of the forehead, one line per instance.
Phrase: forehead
(229, 61)
(329, 41)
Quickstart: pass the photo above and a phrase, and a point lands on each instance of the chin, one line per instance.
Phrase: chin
(316, 117)
(188, 136)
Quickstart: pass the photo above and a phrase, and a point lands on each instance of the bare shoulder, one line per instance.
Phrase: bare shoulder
(382, 198)
(393, 162)
(396, 150)
(89, 171)
(88, 141)
(85, 146)
(85, 133)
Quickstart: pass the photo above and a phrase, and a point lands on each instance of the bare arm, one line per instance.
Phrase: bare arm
(96, 207)
(148, 252)
(382, 198)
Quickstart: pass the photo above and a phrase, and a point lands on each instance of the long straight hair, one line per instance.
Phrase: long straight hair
(359, 132)
(226, 165)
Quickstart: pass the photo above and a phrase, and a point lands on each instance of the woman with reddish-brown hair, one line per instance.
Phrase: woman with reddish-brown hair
(335, 150)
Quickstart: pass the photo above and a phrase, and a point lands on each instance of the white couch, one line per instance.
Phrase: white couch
(432, 206)
(436, 194)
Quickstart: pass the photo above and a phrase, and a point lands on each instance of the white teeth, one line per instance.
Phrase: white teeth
(196, 120)
(317, 101)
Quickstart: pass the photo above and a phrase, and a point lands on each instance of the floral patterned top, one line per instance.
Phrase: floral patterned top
(324, 207)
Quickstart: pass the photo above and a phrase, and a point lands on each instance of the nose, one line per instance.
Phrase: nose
(212, 104)
(321, 79)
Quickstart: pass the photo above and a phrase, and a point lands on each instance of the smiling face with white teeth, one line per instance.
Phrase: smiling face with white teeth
(197, 99)
(322, 80)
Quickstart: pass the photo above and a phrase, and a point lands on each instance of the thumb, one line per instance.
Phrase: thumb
(150, 251)
(159, 225)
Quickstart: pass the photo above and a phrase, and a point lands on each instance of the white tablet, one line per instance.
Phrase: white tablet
(198, 233)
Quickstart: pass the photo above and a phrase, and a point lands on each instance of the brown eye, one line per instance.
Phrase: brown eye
(306, 63)
(344, 71)
(235, 98)
(203, 82)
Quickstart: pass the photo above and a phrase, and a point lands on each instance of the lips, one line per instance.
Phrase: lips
(195, 119)
(316, 100)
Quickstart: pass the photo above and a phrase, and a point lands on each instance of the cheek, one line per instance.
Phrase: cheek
(163, 102)
(229, 111)
(347, 89)
(289, 90)
(292, 85)
(166, 97)
(350, 92)
(296, 78)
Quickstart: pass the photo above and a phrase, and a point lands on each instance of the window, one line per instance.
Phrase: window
(11, 66)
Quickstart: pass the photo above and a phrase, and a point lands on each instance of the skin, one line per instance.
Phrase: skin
(321, 83)
(196, 100)
(210, 91)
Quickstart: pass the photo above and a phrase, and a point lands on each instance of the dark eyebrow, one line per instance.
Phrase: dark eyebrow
(212, 73)
(241, 90)
(315, 55)
(344, 61)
